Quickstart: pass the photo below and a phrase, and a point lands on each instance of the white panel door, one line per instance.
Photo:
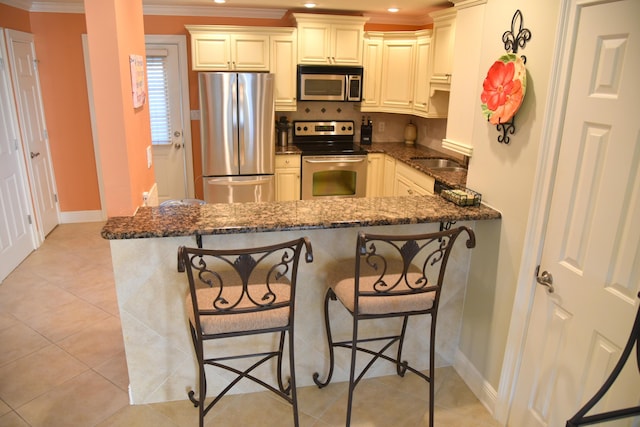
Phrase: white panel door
(592, 241)
(172, 157)
(33, 129)
(16, 233)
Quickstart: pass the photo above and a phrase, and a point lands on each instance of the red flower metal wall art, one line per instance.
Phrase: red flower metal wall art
(504, 87)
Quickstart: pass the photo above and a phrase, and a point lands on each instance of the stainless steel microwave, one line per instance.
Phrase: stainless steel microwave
(329, 83)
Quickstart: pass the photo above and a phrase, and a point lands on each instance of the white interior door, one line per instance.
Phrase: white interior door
(592, 240)
(33, 129)
(170, 127)
(16, 231)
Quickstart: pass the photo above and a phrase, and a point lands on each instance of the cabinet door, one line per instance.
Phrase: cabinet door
(389, 176)
(250, 52)
(210, 52)
(346, 45)
(412, 182)
(283, 66)
(375, 169)
(313, 43)
(372, 72)
(287, 176)
(397, 75)
(421, 94)
(443, 45)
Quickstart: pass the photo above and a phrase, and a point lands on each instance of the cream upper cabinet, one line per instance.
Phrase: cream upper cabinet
(220, 48)
(283, 66)
(397, 79)
(421, 92)
(372, 64)
(410, 182)
(287, 177)
(329, 39)
(444, 29)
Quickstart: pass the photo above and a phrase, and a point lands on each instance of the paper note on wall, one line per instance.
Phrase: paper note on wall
(137, 80)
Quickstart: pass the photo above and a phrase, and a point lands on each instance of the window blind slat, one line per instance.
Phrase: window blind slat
(158, 97)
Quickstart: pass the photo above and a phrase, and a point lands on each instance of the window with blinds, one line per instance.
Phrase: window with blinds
(158, 97)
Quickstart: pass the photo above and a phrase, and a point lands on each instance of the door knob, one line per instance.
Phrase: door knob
(34, 154)
(545, 279)
(177, 145)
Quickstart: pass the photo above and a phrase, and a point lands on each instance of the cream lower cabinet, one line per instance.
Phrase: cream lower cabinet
(375, 174)
(287, 176)
(410, 182)
(389, 176)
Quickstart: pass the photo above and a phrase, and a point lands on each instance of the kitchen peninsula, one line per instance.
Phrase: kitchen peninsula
(151, 292)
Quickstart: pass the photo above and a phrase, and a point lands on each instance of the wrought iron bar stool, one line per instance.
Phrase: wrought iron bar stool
(243, 292)
(395, 276)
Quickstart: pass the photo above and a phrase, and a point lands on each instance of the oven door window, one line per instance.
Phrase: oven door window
(334, 183)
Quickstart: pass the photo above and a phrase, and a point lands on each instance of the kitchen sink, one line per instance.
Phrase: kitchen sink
(444, 165)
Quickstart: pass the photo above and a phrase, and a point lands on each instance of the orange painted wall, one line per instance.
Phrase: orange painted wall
(14, 18)
(58, 44)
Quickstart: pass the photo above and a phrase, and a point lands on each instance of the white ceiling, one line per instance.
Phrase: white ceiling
(412, 12)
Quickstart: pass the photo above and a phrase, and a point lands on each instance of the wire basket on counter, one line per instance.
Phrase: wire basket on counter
(462, 196)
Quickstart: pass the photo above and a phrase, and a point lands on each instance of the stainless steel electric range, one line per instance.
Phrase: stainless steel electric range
(332, 164)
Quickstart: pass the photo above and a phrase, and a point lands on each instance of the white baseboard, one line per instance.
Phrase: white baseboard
(474, 380)
(81, 216)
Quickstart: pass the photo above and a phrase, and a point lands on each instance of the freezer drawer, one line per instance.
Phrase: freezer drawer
(231, 189)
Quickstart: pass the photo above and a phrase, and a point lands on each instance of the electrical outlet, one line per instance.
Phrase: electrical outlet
(149, 157)
(380, 126)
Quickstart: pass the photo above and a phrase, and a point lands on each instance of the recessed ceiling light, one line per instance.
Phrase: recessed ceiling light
(393, 9)
(309, 5)
(220, 1)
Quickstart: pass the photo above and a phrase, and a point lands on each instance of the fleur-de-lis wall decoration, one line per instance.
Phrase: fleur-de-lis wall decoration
(504, 87)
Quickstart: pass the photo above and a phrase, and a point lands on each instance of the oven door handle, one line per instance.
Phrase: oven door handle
(334, 160)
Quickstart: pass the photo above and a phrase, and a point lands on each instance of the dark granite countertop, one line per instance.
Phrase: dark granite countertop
(167, 221)
(403, 152)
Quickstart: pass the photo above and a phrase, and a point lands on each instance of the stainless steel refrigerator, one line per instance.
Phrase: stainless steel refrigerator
(237, 127)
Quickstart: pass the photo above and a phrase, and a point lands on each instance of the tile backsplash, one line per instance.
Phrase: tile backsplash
(387, 127)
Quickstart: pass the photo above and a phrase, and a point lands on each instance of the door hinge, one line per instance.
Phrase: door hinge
(29, 219)
(46, 134)
(15, 143)
(35, 64)
(55, 197)
(2, 64)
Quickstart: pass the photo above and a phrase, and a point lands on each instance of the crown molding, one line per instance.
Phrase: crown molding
(227, 12)
(19, 4)
(387, 18)
(57, 7)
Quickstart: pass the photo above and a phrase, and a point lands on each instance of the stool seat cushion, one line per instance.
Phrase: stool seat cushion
(234, 320)
(383, 303)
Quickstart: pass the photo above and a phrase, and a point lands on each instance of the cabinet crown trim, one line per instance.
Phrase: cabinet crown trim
(210, 29)
(330, 19)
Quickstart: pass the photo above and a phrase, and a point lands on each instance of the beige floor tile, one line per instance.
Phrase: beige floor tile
(4, 408)
(115, 370)
(12, 419)
(19, 341)
(38, 373)
(181, 412)
(97, 343)
(138, 416)
(65, 320)
(7, 321)
(82, 401)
